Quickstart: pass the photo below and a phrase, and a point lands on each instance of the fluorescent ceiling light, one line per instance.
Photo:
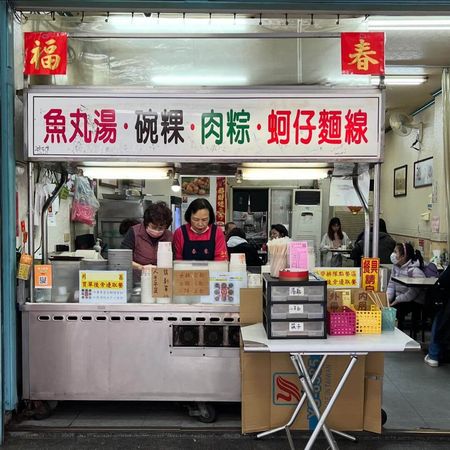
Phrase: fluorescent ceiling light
(408, 24)
(176, 182)
(133, 173)
(199, 80)
(283, 174)
(400, 80)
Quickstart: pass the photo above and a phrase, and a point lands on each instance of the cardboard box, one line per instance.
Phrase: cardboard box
(270, 386)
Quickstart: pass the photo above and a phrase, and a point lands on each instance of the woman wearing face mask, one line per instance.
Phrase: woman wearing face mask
(200, 238)
(407, 263)
(143, 238)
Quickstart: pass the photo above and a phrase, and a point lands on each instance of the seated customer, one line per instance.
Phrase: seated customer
(385, 246)
(278, 231)
(228, 227)
(406, 263)
(237, 243)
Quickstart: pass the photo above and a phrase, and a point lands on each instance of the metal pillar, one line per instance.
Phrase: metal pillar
(8, 342)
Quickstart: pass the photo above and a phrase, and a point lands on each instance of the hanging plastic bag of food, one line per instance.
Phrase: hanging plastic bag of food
(85, 204)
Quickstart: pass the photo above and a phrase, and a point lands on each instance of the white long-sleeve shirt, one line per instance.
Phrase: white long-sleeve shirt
(327, 244)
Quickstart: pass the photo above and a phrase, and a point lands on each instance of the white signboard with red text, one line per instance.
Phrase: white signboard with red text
(288, 124)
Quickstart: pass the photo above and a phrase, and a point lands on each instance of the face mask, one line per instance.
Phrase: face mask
(154, 233)
(394, 259)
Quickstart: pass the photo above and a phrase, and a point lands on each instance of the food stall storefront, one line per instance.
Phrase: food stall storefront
(187, 349)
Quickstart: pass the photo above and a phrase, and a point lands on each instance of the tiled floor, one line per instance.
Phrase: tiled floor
(415, 396)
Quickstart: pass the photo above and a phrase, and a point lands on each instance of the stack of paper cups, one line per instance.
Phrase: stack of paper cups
(164, 256)
(147, 285)
(164, 261)
(237, 262)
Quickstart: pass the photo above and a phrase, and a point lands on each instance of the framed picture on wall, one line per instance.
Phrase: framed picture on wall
(423, 172)
(400, 181)
(109, 183)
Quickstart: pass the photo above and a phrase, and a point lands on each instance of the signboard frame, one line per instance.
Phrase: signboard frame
(262, 100)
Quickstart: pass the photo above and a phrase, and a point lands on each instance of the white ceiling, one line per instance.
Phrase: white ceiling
(421, 52)
(261, 61)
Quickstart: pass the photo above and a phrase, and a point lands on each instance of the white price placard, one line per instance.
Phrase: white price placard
(296, 326)
(295, 309)
(297, 290)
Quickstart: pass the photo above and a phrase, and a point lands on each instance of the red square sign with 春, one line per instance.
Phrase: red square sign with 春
(362, 53)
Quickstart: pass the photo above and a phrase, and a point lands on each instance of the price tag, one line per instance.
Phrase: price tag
(295, 309)
(297, 290)
(296, 326)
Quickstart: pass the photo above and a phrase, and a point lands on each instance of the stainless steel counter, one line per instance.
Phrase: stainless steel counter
(130, 352)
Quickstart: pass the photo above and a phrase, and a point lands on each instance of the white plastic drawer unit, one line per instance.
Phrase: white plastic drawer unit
(297, 311)
(297, 293)
(298, 328)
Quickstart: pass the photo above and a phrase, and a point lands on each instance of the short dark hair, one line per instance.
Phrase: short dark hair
(126, 224)
(158, 214)
(227, 226)
(239, 232)
(197, 205)
(281, 229)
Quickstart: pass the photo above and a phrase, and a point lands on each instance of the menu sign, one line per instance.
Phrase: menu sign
(161, 282)
(224, 124)
(103, 286)
(191, 282)
(342, 277)
(298, 255)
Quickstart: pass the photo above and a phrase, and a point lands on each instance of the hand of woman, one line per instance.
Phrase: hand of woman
(137, 266)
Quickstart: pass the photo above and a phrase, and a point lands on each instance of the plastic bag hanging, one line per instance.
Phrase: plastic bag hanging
(85, 204)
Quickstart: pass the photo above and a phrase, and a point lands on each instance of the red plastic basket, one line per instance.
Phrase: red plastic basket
(342, 323)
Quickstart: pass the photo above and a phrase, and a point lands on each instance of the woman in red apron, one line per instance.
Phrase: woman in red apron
(200, 239)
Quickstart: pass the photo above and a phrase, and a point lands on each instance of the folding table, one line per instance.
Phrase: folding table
(255, 339)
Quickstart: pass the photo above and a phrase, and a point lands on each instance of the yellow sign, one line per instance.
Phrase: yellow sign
(103, 286)
(24, 269)
(340, 277)
(370, 269)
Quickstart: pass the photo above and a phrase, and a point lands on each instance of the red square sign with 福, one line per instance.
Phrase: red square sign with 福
(45, 53)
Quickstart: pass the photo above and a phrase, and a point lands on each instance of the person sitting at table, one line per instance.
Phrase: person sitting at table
(386, 246)
(334, 238)
(237, 243)
(406, 263)
(228, 227)
(278, 231)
